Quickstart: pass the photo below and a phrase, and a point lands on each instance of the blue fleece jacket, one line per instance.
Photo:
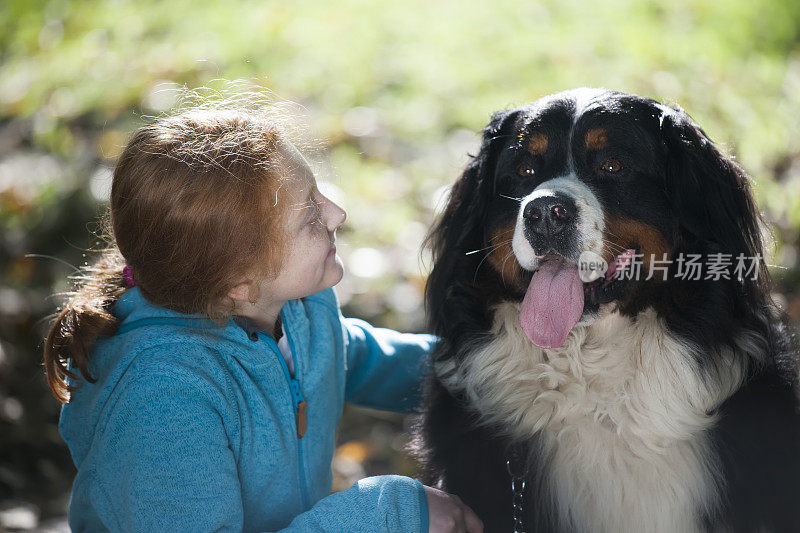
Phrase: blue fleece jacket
(193, 426)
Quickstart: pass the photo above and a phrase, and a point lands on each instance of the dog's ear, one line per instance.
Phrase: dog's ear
(709, 193)
(460, 229)
(711, 199)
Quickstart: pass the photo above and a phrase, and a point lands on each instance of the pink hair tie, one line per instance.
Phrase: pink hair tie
(127, 274)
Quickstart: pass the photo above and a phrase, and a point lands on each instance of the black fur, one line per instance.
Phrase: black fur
(699, 201)
(451, 291)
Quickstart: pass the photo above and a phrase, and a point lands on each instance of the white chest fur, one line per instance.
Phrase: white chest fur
(622, 411)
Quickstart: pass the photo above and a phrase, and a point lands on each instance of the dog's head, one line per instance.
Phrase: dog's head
(575, 200)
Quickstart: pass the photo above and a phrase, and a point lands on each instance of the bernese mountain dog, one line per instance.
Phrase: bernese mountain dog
(611, 357)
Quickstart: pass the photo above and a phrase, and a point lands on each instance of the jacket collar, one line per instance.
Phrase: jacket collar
(249, 327)
(133, 309)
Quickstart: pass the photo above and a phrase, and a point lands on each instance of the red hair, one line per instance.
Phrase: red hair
(194, 207)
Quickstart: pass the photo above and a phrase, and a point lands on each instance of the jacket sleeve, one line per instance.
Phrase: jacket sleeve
(163, 463)
(380, 503)
(385, 368)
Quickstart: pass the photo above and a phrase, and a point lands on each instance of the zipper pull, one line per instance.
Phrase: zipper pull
(301, 419)
(300, 407)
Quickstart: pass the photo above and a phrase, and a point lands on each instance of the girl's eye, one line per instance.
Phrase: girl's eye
(314, 216)
(525, 170)
(316, 212)
(611, 166)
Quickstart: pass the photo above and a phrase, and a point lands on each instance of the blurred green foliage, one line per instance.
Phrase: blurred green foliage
(395, 91)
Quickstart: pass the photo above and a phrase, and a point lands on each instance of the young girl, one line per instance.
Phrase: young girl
(204, 361)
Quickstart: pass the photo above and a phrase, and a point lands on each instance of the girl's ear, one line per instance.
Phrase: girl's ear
(242, 291)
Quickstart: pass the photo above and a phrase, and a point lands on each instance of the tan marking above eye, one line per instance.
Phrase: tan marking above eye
(611, 166)
(596, 139)
(537, 145)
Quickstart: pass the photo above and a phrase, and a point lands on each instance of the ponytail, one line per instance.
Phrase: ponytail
(85, 317)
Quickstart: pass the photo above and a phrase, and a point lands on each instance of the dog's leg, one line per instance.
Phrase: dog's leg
(470, 461)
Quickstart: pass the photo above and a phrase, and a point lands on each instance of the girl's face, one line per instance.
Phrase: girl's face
(311, 264)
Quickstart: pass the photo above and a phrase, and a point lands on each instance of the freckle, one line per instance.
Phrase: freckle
(593, 246)
(596, 226)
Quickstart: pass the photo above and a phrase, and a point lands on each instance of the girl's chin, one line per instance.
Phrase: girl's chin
(340, 273)
(335, 274)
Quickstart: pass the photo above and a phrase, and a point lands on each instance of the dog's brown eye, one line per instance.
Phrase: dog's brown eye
(525, 170)
(611, 166)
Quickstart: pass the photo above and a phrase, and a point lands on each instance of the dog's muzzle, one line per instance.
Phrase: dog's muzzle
(549, 222)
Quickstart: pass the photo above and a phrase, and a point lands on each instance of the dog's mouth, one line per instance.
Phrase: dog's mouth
(556, 297)
(609, 286)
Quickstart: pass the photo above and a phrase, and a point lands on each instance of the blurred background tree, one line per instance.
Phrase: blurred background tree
(395, 91)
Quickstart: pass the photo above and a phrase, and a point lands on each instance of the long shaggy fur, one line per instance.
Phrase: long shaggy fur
(671, 407)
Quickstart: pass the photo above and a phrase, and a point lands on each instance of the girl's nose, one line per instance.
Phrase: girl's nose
(335, 215)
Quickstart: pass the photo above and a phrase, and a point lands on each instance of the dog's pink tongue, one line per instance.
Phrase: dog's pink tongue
(553, 303)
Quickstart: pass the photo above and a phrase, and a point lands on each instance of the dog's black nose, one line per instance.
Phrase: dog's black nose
(549, 215)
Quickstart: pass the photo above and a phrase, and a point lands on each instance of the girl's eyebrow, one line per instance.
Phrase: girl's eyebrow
(310, 209)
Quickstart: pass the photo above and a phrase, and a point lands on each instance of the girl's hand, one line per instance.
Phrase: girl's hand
(448, 514)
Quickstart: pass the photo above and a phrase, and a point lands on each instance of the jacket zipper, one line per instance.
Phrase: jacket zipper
(298, 403)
